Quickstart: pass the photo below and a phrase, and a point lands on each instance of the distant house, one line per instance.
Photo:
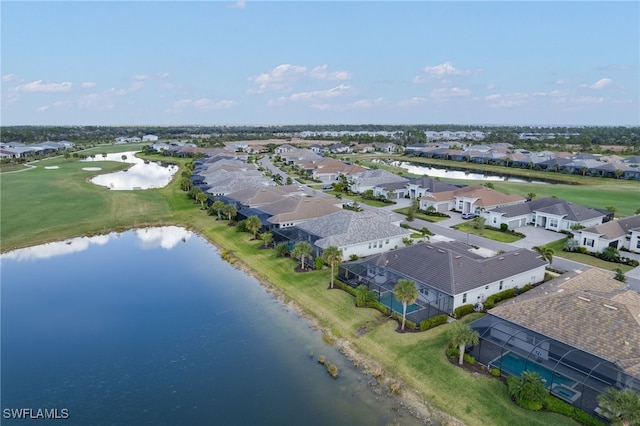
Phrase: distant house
(419, 187)
(447, 274)
(549, 213)
(284, 148)
(369, 179)
(150, 138)
(621, 233)
(581, 334)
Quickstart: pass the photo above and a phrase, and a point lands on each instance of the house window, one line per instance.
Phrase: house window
(588, 242)
(464, 298)
(369, 244)
(638, 244)
(386, 242)
(553, 223)
(495, 220)
(501, 284)
(486, 287)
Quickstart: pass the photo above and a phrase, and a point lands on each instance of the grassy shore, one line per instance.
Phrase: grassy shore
(46, 205)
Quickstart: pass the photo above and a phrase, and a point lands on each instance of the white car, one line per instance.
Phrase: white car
(469, 215)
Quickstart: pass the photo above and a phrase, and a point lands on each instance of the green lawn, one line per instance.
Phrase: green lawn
(558, 245)
(46, 205)
(420, 215)
(492, 234)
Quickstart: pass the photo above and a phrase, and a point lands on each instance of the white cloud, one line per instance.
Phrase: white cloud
(57, 104)
(507, 100)
(416, 100)
(367, 103)
(313, 95)
(88, 85)
(203, 104)
(240, 4)
(8, 77)
(283, 77)
(441, 72)
(601, 84)
(40, 87)
(449, 92)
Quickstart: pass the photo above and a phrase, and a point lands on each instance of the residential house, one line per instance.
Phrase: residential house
(356, 234)
(470, 199)
(369, 179)
(150, 138)
(581, 334)
(549, 213)
(621, 233)
(447, 274)
(285, 148)
(291, 211)
(419, 187)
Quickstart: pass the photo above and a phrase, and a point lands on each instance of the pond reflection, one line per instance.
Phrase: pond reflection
(458, 174)
(142, 175)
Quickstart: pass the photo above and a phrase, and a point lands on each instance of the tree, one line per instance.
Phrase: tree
(545, 252)
(267, 238)
(425, 233)
(407, 293)
(202, 198)
(612, 209)
(253, 225)
(460, 335)
(621, 406)
(584, 170)
(531, 195)
(124, 157)
(528, 390)
(193, 193)
(407, 241)
(217, 207)
(230, 211)
(617, 173)
(302, 250)
(610, 254)
(620, 276)
(185, 184)
(333, 256)
(413, 209)
(478, 223)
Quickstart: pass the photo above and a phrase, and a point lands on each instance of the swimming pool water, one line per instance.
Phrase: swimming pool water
(390, 301)
(515, 364)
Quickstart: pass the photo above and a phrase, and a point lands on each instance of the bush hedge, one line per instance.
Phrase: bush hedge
(463, 310)
(556, 405)
(433, 322)
(498, 297)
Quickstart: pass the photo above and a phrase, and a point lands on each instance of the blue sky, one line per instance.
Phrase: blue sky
(302, 62)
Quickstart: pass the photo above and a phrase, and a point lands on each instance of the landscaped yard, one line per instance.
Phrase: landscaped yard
(558, 246)
(421, 215)
(469, 227)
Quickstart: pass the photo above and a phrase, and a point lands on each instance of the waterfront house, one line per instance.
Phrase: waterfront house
(621, 233)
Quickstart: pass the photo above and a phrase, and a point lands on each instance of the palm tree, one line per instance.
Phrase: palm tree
(545, 252)
(301, 250)
(621, 406)
(185, 184)
(230, 211)
(333, 256)
(617, 173)
(612, 209)
(531, 195)
(201, 197)
(584, 170)
(216, 207)
(267, 238)
(425, 233)
(406, 292)
(461, 335)
(253, 225)
(529, 391)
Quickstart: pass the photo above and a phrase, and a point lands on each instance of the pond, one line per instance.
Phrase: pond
(142, 175)
(459, 174)
(152, 327)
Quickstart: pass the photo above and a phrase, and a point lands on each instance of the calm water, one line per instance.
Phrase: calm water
(153, 328)
(139, 176)
(455, 174)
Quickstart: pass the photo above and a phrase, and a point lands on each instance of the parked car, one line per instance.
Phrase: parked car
(327, 187)
(469, 215)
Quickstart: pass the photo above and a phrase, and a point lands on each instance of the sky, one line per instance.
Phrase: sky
(320, 62)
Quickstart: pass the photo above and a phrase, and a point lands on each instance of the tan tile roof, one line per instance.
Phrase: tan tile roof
(296, 208)
(590, 311)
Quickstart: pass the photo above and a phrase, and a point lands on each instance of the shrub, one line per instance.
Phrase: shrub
(241, 226)
(282, 250)
(318, 263)
(526, 288)
(556, 405)
(463, 310)
(469, 359)
(332, 369)
(504, 227)
(433, 322)
(353, 257)
(528, 390)
(495, 372)
(453, 352)
(364, 296)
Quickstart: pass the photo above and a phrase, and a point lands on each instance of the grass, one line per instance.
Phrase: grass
(486, 233)
(420, 215)
(46, 205)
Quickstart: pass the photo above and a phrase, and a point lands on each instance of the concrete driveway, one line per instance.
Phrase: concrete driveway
(536, 236)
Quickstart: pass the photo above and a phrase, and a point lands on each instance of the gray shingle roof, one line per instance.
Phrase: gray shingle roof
(615, 228)
(346, 228)
(451, 268)
(555, 206)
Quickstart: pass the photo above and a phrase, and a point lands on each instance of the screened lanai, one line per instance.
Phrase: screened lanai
(431, 302)
(571, 374)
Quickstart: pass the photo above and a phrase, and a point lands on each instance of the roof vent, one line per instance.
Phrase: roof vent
(458, 257)
(584, 298)
(517, 253)
(440, 251)
(501, 258)
(613, 308)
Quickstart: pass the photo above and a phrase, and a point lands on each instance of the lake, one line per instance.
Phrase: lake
(142, 175)
(459, 174)
(152, 327)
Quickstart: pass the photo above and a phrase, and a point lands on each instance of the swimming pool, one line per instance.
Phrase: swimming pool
(514, 364)
(390, 301)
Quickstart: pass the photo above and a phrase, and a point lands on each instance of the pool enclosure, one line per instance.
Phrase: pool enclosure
(431, 302)
(571, 374)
